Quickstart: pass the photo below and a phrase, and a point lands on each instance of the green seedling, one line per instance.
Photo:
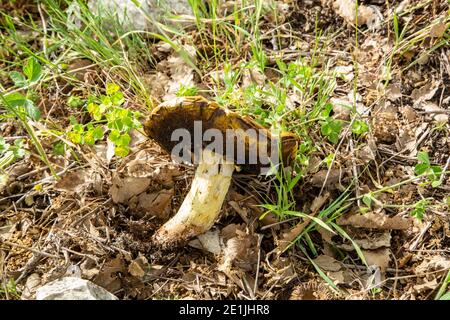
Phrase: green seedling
(10, 153)
(425, 168)
(107, 110)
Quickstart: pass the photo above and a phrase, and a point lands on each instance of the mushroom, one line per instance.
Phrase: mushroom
(235, 147)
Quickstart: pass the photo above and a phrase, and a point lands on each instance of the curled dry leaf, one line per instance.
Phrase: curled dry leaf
(209, 241)
(426, 285)
(331, 182)
(393, 92)
(240, 249)
(374, 220)
(328, 263)
(378, 257)
(181, 73)
(123, 189)
(425, 92)
(108, 278)
(342, 108)
(346, 72)
(31, 285)
(367, 15)
(438, 29)
(138, 266)
(438, 114)
(436, 263)
(157, 204)
(368, 241)
(333, 269)
(252, 75)
(365, 240)
(73, 181)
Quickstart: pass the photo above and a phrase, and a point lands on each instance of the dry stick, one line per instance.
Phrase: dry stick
(90, 212)
(255, 288)
(441, 178)
(43, 253)
(355, 172)
(422, 232)
(44, 29)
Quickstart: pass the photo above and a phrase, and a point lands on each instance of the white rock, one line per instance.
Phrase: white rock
(72, 288)
(140, 18)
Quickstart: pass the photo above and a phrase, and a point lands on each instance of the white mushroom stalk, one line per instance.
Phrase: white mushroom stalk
(202, 205)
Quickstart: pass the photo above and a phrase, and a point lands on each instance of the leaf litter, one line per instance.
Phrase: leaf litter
(97, 219)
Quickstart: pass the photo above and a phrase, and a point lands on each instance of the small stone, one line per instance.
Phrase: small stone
(72, 288)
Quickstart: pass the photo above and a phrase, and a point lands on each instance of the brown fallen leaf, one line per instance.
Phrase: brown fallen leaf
(209, 241)
(108, 278)
(123, 189)
(426, 286)
(138, 266)
(73, 181)
(240, 249)
(319, 178)
(328, 263)
(438, 114)
(374, 220)
(366, 15)
(379, 257)
(157, 204)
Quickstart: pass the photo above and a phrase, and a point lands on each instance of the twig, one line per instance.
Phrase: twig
(255, 288)
(422, 232)
(43, 253)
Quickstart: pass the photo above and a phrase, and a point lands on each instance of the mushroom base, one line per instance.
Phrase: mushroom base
(202, 204)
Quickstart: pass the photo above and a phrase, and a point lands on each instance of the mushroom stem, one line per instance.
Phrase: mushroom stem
(202, 204)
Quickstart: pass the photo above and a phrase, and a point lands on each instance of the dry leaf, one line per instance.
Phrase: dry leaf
(439, 115)
(252, 75)
(123, 189)
(107, 277)
(369, 16)
(318, 179)
(427, 285)
(138, 266)
(209, 241)
(379, 257)
(74, 181)
(374, 221)
(239, 250)
(328, 263)
(368, 241)
(156, 204)
(424, 93)
(438, 30)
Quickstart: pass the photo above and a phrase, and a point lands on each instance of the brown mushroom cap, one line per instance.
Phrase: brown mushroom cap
(182, 114)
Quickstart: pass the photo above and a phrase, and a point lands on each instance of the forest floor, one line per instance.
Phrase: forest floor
(363, 213)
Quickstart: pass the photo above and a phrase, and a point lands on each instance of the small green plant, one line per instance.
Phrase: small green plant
(75, 102)
(187, 91)
(331, 128)
(359, 127)
(425, 168)
(441, 295)
(419, 208)
(107, 109)
(10, 153)
(9, 289)
(24, 105)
